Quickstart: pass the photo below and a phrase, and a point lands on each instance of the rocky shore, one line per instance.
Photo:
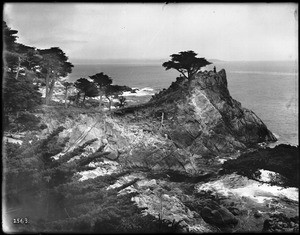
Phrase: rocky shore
(192, 155)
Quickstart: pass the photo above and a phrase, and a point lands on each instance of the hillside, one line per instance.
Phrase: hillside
(158, 167)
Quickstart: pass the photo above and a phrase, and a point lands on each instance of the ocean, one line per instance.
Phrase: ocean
(269, 88)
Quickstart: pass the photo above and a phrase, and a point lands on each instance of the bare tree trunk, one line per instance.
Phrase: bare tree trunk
(100, 101)
(182, 73)
(18, 68)
(83, 99)
(109, 103)
(51, 88)
(6, 121)
(77, 98)
(66, 98)
(47, 86)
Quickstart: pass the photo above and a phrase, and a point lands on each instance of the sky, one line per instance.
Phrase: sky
(105, 31)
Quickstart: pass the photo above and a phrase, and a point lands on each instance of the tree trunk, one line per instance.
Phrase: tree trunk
(109, 103)
(66, 98)
(83, 99)
(100, 101)
(51, 88)
(182, 73)
(47, 86)
(6, 121)
(77, 98)
(18, 68)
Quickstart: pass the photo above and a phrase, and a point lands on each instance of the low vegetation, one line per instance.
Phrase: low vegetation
(47, 192)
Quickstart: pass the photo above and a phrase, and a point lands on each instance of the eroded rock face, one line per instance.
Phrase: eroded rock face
(184, 133)
(199, 121)
(249, 201)
(208, 121)
(162, 199)
(283, 159)
(185, 128)
(281, 223)
(218, 215)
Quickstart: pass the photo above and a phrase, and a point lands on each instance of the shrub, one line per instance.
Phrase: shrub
(27, 121)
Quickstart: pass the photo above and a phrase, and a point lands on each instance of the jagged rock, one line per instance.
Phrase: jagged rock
(234, 210)
(281, 223)
(218, 215)
(197, 116)
(257, 214)
(189, 126)
(254, 200)
(271, 159)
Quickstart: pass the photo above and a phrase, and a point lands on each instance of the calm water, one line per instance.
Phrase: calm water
(270, 89)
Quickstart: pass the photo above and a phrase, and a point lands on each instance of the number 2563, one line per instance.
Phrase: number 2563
(20, 221)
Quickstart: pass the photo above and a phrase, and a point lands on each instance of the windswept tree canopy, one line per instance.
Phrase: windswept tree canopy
(54, 65)
(19, 92)
(113, 90)
(17, 55)
(67, 84)
(55, 62)
(19, 95)
(186, 63)
(85, 86)
(31, 58)
(9, 37)
(102, 80)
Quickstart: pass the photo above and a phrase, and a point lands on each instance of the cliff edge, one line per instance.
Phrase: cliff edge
(190, 128)
(201, 118)
(185, 158)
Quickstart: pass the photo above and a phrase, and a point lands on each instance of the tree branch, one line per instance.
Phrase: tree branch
(182, 73)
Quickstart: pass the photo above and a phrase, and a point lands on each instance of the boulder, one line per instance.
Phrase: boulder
(218, 215)
(281, 223)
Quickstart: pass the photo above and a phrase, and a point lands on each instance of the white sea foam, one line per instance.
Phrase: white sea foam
(267, 176)
(147, 91)
(240, 186)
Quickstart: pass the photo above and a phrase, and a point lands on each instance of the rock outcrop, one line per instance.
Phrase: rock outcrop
(170, 152)
(281, 223)
(282, 159)
(190, 128)
(200, 122)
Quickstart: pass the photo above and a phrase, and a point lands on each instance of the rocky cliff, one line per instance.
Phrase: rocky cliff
(170, 152)
(194, 122)
(189, 128)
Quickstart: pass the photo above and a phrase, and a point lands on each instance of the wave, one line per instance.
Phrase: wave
(147, 91)
(265, 73)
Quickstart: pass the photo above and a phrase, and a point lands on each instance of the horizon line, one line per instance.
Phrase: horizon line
(125, 61)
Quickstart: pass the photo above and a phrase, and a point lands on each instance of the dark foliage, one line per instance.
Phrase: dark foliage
(27, 122)
(9, 37)
(77, 151)
(43, 187)
(122, 102)
(89, 89)
(19, 95)
(102, 80)
(186, 63)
